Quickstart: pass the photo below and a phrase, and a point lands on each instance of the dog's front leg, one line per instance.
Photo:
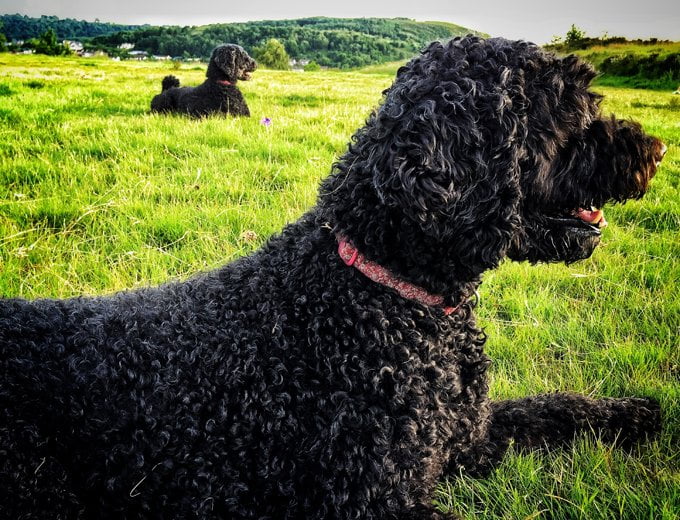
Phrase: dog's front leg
(552, 420)
(427, 513)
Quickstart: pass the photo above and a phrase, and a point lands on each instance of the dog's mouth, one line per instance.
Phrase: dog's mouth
(580, 222)
(590, 220)
(247, 72)
(592, 216)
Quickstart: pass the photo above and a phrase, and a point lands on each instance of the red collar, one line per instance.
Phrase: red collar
(352, 257)
(225, 82)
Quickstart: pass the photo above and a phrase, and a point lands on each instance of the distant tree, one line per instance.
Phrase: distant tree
(555, 41)
(3, 40)
(312, 66)
(574, 38)
(272, 55)
(47, 44)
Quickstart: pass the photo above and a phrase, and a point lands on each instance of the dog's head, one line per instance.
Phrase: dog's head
(231, 61)
(480, 149)
(610, 160)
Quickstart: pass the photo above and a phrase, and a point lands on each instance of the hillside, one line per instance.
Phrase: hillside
(649, 63)
(331, 42)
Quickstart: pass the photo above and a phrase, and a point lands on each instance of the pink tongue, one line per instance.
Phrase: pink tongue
(595, 216)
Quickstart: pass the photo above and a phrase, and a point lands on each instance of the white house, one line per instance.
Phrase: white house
(138, 55)
(74, 46)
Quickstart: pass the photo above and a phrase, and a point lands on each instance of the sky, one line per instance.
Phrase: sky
(533, 20)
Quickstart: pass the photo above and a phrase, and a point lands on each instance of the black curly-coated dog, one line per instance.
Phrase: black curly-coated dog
(336, 373)
(217, 94)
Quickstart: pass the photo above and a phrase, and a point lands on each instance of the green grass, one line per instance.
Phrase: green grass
(97, 195)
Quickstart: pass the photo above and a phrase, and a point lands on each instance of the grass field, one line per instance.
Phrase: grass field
(97, 195)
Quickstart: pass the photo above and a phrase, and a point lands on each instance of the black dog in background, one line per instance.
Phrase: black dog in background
(217, 94)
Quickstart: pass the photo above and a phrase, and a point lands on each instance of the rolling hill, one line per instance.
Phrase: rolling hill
(331, 42)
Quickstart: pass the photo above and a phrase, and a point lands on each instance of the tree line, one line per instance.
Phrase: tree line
(20, 27)
(331, 42)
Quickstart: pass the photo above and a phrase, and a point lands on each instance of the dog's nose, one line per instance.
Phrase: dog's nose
(662, 151)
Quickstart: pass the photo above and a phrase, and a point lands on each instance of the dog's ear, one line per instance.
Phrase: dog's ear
(579, 71)
(446, 155)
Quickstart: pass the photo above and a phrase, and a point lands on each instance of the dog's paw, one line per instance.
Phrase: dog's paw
(634, 419)
(430, 514)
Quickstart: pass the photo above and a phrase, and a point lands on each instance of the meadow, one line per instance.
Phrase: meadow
(97, 195)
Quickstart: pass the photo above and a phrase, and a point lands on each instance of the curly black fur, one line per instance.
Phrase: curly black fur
(169, 82)
(286, 384)
(217, 94)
